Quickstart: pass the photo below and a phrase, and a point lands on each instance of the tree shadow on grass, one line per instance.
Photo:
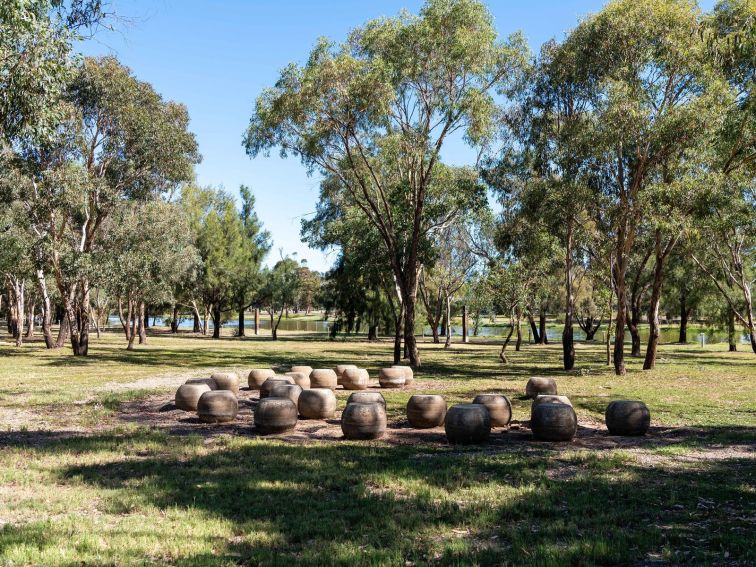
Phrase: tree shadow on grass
(350, 503)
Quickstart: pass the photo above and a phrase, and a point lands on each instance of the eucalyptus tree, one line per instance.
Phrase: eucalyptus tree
(255, 245)
(279, 290)
(375, 112)
(36, 39)
(654, 101)
(149, 250)
(119, 141)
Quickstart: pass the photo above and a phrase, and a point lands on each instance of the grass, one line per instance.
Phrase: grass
(79, 487)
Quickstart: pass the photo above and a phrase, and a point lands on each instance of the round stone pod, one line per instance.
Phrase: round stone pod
(355, 379)
(188, 395)
(627, 417)
(270, 383)
(291, 391)
(339, 370)
(540, 385)
(257, 376)
(300, 379)
(217, 406)
(553, 422)
(366, 398)
(391, 377)
(323, 378)
(467, 423)
(317, 403)
(426, 410)
(227, 381)
(363, 421)
(302, 369)
(409, 375)
(276, 415)
(548, 399)
(209, 382)
(499, 408)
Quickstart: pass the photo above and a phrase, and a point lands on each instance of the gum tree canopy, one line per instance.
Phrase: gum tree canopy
(375, 111)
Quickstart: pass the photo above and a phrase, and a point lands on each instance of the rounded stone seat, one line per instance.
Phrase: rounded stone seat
(290, 391)
(548, 399)
(467, 423)
(217, 406)
(540, 385)
(363, 421)
(627, 417)
(409, 375)
(391, 377)
(317, 403)
(209, 382)
(275, 415)
(300, 379)
(553, 422)
(257, 376)
(339, 370)
(355, 379)
(227, 381)
(302, 368)
(366, 398)
(270, 383)
(188, 395)
(499, 408)
(323, 378)
(426, 410)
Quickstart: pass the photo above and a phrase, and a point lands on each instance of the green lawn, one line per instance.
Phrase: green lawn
(80, 485)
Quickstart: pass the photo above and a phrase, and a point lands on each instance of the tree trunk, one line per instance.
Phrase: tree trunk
(373, 333)
(518, 342)
(502, 356)
(175, 319)
(132, 323)
(465, 338)
(410, 342)
(534, 329)
(398, 336)
(542, 326)
(216, 321)
(145, 319)
(196, 328)
(656, 289)
(240, 331)
(257, 320)
(142, 323)
(78, 317)
(684, 313)
(568, 340)
(633, 321)
(447, 344)
(29, 333)
(46, 310)
(733, 344)
(620, 269)
(63, 331)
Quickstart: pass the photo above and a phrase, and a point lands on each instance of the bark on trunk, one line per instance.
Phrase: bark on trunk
(175, 319)
(733, 344)
(684, 314)
(465, 338)
(142, 323)
(534, 329)
(373, 333)
(46, 310)
(63, 331)
(216, 321)
(240, 331)
(661, 255)
(568, 340)
(447, 344)
(542, 326)
(257, 320)
(518, 343)
(620, 269)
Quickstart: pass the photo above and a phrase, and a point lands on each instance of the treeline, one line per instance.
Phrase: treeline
(621, 160)
(100, 212)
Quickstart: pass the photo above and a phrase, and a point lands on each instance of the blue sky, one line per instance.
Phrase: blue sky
(216, 57)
